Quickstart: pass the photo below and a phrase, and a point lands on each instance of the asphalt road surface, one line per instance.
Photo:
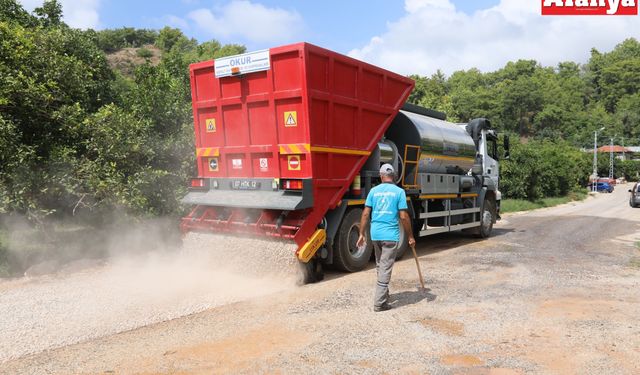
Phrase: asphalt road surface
(554, 291)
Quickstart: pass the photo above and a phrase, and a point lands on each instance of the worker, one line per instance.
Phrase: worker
(385, 203)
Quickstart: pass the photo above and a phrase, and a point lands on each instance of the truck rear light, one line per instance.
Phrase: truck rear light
(292, 184)
(197, 182)
(356, 186)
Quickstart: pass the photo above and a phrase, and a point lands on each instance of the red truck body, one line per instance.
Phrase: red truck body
(311, 120)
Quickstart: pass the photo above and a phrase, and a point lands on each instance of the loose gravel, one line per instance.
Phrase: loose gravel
(132, 292)
(552, 292)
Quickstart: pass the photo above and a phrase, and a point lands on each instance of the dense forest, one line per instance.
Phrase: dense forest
(554, 111)
(84, 133)
(80, 138)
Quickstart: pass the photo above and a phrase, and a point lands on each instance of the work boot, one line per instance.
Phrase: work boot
(384, 307)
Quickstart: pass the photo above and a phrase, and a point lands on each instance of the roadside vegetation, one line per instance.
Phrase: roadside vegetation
(516, 205)
(80, 138)
(550, 114)
(101, 130)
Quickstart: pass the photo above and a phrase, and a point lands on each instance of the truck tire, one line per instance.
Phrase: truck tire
(487, 216)
(403, 244)
(312, 271)
(404, 240)
(346, 255)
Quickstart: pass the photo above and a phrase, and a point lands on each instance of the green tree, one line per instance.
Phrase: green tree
(615, 74)
(111, 40)
(471, 95)
(50, 13)
(539, 169)
(12, 11)
(170, 38)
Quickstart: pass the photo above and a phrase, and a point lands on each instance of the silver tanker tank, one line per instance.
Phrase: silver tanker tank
(446, 148)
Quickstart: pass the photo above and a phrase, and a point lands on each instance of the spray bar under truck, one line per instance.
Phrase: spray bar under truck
(289, 141)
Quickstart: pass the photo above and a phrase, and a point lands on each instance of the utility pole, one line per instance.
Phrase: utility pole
(594, 182)
(611, 161)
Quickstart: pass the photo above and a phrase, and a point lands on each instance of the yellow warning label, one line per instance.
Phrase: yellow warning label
(293, 162)
(211, 125)
(213, 164)
(291, 118)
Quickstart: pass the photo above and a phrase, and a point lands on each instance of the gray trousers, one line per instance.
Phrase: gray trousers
(385, 257)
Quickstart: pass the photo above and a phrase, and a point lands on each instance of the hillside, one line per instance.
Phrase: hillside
(127, 59)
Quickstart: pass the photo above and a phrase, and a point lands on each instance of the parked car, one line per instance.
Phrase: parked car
(634, 196)
(610, 181)
(603, 187)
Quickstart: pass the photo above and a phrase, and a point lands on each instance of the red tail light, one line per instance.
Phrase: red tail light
(197, 182)
(292, 184)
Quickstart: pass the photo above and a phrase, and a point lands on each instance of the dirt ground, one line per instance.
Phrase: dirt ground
(554, 291)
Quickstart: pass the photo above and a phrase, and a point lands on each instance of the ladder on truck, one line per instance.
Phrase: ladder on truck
(410, 167)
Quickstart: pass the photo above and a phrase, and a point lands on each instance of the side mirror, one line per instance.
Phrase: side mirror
(507, 153)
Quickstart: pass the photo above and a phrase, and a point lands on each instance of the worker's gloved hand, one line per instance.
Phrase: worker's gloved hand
(412, 241)
(361, 241)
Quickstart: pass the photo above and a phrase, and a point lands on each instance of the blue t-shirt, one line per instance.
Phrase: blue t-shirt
(386, 200)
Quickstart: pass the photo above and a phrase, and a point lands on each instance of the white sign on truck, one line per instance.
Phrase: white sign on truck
(242, 64)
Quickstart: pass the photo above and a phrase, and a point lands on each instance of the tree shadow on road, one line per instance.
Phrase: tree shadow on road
(434, 244)
(411, 297)
(501, 231)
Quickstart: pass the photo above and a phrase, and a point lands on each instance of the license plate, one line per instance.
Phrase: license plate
(245, 185)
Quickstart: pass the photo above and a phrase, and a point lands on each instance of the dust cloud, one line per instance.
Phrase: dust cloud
(220, 268)
(142, 281)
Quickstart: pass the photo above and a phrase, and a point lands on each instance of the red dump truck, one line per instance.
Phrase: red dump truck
(289, 141)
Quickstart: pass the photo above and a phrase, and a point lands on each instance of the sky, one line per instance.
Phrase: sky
(405, 36)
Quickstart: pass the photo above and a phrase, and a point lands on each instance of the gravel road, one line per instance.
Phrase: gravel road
(49, 312)
(554, 291)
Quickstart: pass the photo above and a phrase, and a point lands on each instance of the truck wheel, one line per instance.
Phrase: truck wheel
(417, 227)
(312, 271)
(403, 244)
(486, 220)
(346, 255)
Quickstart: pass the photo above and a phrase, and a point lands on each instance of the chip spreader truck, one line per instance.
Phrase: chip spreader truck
(290, 140)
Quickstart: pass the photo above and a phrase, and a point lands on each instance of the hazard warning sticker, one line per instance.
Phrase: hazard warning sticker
(211, 125)
(294, 162)
(291, 118)
(213, 165)
(264, 164)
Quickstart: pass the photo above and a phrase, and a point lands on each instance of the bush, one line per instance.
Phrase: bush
(144, 53)
(629, 169)
(116, 39)
(539, 169)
